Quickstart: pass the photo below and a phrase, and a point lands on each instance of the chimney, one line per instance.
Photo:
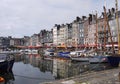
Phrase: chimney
(90, 15)
(103, 14)
(67, 24)
(77, 18)
(109, 11)
(113, 10)
(90, 18)
(56, 25)
(62, 25)
(83, 17)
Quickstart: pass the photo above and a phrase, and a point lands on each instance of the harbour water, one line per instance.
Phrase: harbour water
(31, 69)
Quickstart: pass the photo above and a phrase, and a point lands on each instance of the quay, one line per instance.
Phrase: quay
(111, 76)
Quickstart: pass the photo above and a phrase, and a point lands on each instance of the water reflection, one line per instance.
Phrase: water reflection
(62, 68)
(29, 68)
(46, 65)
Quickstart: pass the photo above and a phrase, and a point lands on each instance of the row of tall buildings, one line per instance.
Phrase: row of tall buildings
(84, 32)
(89, 32)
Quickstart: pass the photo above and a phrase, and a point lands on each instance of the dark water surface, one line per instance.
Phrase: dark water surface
(31, 69)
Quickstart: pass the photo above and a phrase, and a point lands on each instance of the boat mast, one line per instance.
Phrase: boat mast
(104, 47)
(96, 42)
(104, 33)
(117, 20)
(106, 21)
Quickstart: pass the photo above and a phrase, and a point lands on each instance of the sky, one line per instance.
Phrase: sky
(20, 18)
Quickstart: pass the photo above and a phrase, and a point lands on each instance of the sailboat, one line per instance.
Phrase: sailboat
(114, 59)
(98, 57)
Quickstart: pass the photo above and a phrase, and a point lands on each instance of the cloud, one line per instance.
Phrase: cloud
(26, 17)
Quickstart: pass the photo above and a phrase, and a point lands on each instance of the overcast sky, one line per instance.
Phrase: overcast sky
(20, 18)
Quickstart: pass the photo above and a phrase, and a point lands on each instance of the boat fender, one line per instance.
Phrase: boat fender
(2, 80)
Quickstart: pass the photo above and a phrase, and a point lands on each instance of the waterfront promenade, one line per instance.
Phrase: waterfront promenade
(111, 76)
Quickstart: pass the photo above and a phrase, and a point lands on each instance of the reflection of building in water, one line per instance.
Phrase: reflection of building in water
(49, 65)
(65, 68)
(25, 59)
(17, 58)
(61, 68)
(78, 68)
(46, 65)
(31, 59)
(34, 60)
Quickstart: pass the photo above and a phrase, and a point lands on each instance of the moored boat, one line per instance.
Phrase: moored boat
(98, 59)
(49, 52)
(6, 62)
(114, 60)
(80, 59)
(79, 56)
(64, 54)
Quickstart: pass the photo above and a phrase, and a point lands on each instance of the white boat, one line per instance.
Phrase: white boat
(28, 51)
(49, 52)
(34, 52)
(79, 56)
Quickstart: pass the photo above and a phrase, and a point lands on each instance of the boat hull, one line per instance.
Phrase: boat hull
(3, 66)
(114, 60)
(10, 65)
(98, 59)
(6, 66)
(6, 62)
(80, 59)
(64, 54)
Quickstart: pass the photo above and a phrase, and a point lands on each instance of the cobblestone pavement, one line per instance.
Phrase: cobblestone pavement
(111, 76)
